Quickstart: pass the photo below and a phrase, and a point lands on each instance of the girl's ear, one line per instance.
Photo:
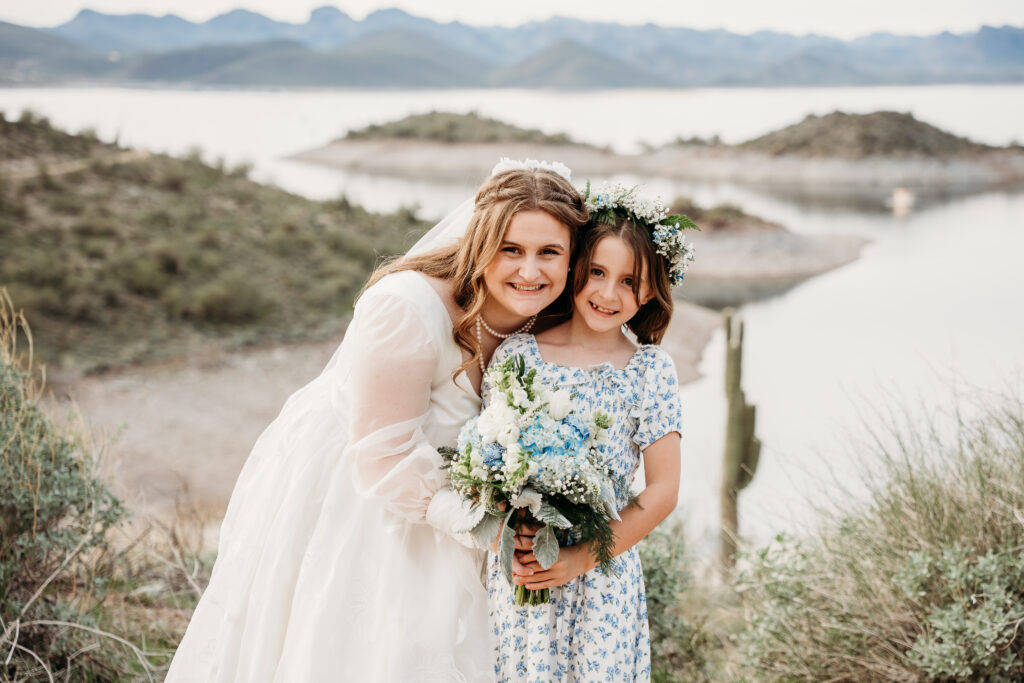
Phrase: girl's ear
(650, 295)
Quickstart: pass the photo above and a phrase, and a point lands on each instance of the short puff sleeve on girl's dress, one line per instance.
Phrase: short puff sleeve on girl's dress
(660, 410)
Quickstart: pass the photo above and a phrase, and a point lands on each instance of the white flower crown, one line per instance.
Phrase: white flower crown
(506, 164)
(612, 200)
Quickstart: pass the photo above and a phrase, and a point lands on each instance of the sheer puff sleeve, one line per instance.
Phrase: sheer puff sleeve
(393, 364)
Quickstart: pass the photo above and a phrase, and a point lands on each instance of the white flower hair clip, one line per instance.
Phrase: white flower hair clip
(506, 164)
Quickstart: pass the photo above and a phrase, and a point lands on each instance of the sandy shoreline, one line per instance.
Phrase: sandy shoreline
(470, 162)
(180, 433)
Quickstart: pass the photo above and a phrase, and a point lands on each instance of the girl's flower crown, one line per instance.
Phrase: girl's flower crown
(612, 201)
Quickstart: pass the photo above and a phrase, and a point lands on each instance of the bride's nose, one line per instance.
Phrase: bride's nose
(529, 269)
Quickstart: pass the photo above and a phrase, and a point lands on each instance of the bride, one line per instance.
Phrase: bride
(337, 561)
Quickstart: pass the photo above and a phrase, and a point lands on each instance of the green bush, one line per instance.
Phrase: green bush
(54, 518)
(974, 608)
(235, 297)
(923, 582)
(677, 646)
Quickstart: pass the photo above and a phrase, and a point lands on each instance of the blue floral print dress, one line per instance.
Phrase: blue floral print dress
(595, 627)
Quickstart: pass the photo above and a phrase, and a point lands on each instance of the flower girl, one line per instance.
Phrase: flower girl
(594, 626)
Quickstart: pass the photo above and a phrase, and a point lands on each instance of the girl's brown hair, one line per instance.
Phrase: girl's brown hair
(651, 321)
(498, 200)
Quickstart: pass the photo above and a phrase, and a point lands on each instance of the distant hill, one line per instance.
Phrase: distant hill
(387, 49)
(567, 64)
(854, 136)
(196, 64)
(31, 56)
(395, 59)
(439, 126)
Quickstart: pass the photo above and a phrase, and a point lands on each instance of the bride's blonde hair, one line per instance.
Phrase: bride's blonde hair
(498, 200)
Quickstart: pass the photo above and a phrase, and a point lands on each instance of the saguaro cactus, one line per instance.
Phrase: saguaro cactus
(742, 448)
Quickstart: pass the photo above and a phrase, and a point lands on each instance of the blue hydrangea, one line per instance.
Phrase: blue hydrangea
(468, 435)
(493, 454)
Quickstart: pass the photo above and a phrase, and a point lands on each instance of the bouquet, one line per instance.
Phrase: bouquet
(531, 457)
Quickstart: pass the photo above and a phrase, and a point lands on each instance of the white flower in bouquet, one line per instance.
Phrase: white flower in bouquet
(495, 419)
(559, 404)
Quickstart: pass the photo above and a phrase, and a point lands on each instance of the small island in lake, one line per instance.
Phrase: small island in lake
(839, 152)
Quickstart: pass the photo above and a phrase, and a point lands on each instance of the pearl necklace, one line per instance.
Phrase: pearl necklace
(480, 322)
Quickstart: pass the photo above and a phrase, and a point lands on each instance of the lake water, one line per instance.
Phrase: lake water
(935, 299)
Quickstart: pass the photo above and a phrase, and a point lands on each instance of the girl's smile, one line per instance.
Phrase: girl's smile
(606, 301)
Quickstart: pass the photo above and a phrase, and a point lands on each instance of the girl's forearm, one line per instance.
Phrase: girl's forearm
(650, 508)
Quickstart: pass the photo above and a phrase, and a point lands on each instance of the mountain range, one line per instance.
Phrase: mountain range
(392, 48)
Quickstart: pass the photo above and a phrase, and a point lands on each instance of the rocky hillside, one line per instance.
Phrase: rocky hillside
(440, 126)
(119, 256)
(855, 136)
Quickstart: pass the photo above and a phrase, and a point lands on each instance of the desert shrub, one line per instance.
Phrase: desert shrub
(235, 297)
(677, 646)
(145, 274)
(54, 517)
(923, 582)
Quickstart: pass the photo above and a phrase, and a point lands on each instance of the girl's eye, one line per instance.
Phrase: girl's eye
(628, 282)
(551, 252)
(596, 272)
(510, 250)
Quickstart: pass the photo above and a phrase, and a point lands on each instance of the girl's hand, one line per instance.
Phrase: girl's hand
(572, 561)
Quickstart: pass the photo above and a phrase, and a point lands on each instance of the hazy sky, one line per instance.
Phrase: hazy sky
(844, 19)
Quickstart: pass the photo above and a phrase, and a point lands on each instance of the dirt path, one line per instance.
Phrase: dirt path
(181, 433)
(24, 169)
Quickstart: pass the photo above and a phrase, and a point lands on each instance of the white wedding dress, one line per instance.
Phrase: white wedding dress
(327, 568)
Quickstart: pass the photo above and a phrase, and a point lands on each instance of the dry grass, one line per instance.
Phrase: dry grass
(923, 582)
(83, 594)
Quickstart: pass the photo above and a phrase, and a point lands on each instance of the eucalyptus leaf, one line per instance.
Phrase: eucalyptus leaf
(550, 515)
(608, 500)
(486, 530)
(545, 547)
(507, 547)
(471, 515)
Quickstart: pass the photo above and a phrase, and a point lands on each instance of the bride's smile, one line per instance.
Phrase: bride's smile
(529, 271)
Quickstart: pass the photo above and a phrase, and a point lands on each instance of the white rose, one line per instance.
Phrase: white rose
(508, 436)
(559, 404)
(494, 419)
(519, 397)
(512, 452)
